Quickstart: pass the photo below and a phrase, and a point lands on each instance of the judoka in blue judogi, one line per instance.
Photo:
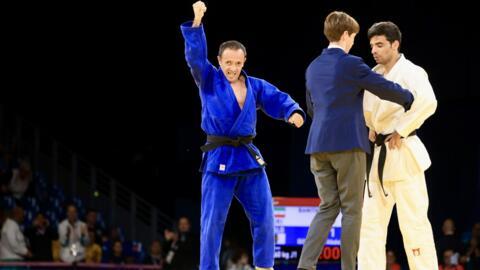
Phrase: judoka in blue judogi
(232, 166)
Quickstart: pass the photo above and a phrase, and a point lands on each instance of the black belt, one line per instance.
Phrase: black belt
(217, 141)
(382, 156)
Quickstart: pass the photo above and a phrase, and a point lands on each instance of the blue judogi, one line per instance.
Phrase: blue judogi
(228, 170)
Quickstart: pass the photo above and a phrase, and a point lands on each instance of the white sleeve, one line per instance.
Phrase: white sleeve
(369, 101)
(423, 106)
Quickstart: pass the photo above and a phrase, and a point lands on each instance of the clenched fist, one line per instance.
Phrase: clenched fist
(296, 119)
(199, 8)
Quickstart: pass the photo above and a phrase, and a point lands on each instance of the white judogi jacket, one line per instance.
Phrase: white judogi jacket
(385, 117)
(12, 242)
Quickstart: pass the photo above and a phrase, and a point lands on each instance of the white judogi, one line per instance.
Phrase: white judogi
(403, 174)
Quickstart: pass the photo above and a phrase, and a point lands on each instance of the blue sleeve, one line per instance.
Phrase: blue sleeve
(196, 51)
(363, 76)
(276, 103)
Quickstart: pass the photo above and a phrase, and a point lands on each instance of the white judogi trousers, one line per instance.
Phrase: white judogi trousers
(411, 198)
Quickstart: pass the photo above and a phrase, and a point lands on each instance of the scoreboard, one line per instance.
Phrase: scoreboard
(292, 219)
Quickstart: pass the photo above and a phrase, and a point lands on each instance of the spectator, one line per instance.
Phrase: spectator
(73, 237)
(450, 261)
(40, 237)
(155, 257)
(392, 261)
(21, 178)
(108, 241)
(472, 255)
(240, 261)
(12, 242)
(449, 239)
(117, 256)
(181, 247)
(92, 225)
(93, 251)
(228, 249)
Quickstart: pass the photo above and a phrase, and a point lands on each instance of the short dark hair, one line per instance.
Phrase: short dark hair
(387, 29)
(233, 45)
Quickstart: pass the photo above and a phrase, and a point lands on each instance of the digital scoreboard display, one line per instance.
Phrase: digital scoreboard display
(292, 219)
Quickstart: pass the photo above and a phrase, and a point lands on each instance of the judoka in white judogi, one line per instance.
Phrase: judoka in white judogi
(403, 170)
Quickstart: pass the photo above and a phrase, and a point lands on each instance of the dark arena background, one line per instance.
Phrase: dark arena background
(101, 113)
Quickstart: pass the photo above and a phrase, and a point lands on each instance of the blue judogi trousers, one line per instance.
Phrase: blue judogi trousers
(253, 193)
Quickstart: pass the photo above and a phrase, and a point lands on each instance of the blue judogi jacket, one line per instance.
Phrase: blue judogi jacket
(335, 84)
(221, 113)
